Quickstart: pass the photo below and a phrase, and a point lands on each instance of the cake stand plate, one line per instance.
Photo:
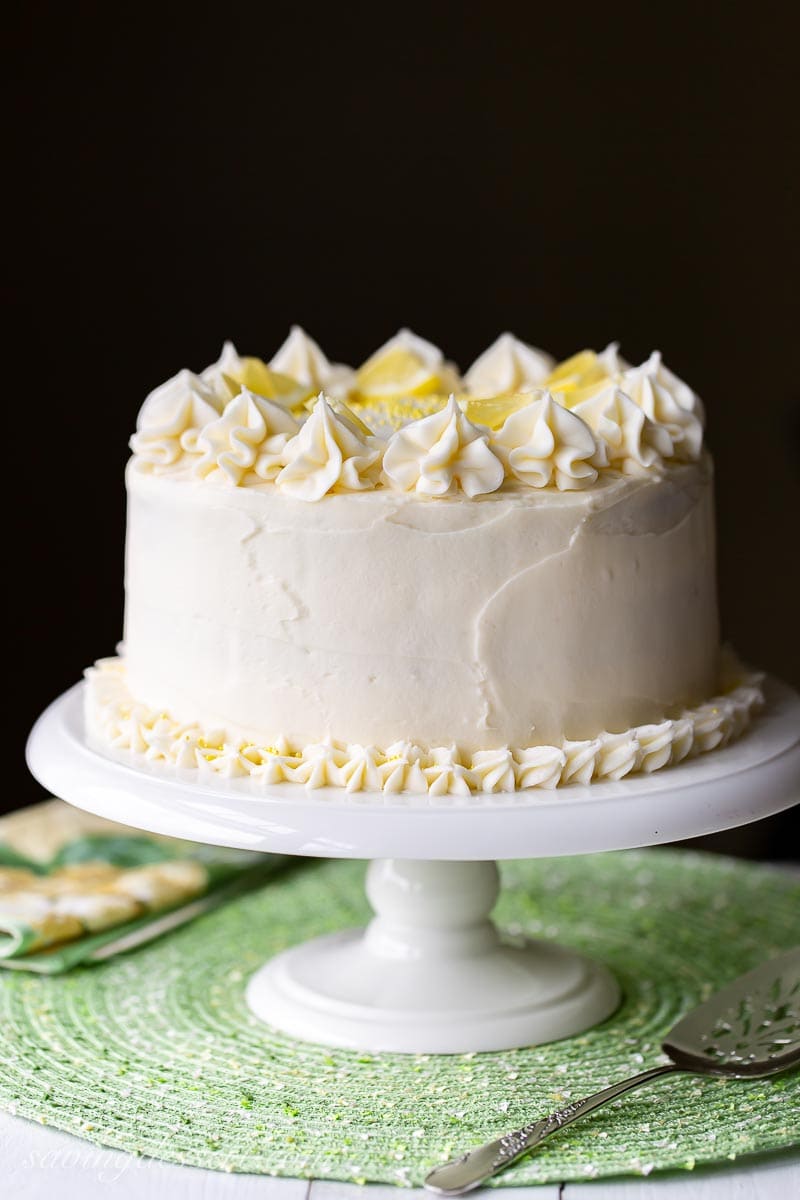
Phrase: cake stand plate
(430, 974)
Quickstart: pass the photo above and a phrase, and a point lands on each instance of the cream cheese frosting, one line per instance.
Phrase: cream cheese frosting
(633, 443)
(172, 419)
(250, 436)
(519, 617)
(221, 376)
(117, 721)
(668, 403)
(508, 365)
(328, 454)
(436, 455)
(302, 359)
(545, 444)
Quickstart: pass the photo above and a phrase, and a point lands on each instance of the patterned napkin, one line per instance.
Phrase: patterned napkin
(77, 888)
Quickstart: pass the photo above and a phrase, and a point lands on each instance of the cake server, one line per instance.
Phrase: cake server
(749, 1029)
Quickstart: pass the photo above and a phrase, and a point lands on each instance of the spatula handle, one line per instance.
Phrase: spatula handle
(476, 1166)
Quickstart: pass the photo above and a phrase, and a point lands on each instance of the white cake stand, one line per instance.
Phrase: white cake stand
(430, 974)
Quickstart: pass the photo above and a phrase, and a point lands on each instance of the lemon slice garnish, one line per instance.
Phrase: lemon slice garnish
(397, 371)
(342, 410)
(257, 377)
(492, 411)
(577, 377)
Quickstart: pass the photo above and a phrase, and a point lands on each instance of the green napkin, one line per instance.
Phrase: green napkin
(76, 888)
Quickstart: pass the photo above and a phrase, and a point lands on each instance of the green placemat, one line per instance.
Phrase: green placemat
(156, 1053)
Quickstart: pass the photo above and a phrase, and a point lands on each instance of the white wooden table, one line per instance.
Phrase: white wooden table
(40, 1163)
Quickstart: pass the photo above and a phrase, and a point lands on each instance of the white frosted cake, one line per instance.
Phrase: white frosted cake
(398, 578)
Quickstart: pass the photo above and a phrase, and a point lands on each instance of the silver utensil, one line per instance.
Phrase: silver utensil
(749, 1029)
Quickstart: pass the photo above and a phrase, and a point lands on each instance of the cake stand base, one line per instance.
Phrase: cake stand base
(430, 973)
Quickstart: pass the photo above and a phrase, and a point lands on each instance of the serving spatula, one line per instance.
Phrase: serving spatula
(749, 1029)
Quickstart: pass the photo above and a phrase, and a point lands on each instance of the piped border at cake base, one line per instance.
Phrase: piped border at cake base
(116, 719)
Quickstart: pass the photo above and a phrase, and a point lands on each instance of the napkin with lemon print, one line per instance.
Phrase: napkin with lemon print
(75, 888)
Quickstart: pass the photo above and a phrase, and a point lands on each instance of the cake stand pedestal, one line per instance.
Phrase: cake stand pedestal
(431, 973)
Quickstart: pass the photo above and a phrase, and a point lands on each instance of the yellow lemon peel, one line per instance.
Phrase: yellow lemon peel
(577, 378)
(492, 411)
(343, 410)
(397, 371)
(257, 377)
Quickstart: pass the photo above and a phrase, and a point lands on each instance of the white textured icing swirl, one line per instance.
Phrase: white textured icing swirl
(579, 760)
(508, 365)
(655, 746)
(222, 376)
(634, 444)
(544, 443)
(401, 769)
(172, 417)
(329, 454)
(611, 361)
(302, 359)
(445, 774)
(669, 403)
(617, 755)
(249, 438)
(638, 417)
(494, 771)
(321, 765)
(436, 455)
(115, 719)
(539, 767)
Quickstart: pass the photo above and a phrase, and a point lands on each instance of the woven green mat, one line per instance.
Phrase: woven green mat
(156, 1052)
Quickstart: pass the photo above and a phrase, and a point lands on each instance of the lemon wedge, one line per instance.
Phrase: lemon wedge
(577, 377)
(492, 411)
(256, 376)
(396, 371)
(342, 410)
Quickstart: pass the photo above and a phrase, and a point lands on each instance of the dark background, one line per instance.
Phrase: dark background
(576, 175)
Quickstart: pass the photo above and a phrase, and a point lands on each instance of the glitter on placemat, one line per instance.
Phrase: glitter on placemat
(156, 1052)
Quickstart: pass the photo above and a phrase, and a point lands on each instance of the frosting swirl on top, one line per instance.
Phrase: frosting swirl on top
(329, 454)
(669, 402)
(302, 359)
(171, 418)
(222, 376)
(593, 412)
(440, 453)
(508, 365)
(250, 436)
(634, 444)
(611, 361)
(545, 443)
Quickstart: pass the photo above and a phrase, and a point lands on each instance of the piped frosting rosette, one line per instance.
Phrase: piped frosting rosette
(406, 420)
